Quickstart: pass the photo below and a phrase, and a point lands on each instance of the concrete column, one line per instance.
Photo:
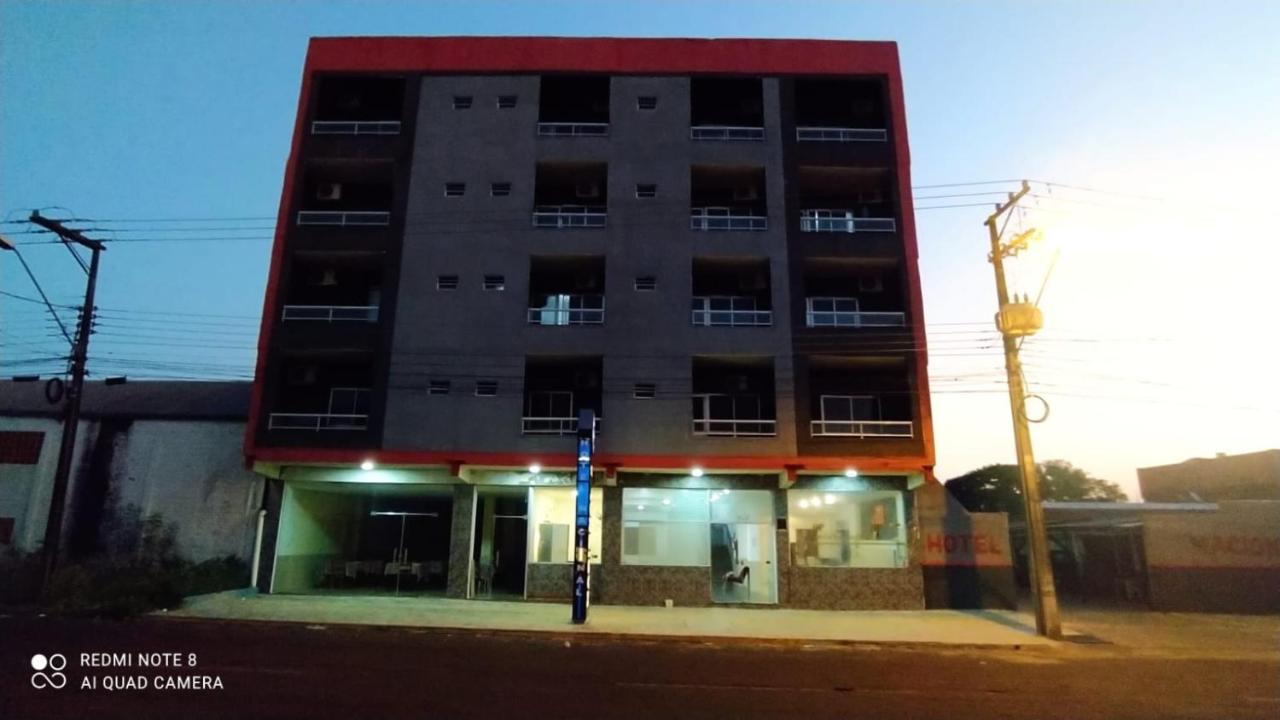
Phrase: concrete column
(460, 570)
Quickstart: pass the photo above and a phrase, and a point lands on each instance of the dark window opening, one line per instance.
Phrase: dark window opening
(506, 102)
(646, 102)
(446, 282)
(574, 99)
(645, 191)
(646, 282)
(495, 282)
(500, 189)
(645, 391)
(839, 103)
(438, 387)
(726, 102)
(486, 388)
(461, 102)
(455, 189)
(354, 98)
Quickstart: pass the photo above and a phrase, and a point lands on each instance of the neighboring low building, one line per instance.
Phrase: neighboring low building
(170, 448)
(1189, 557)
(1249, 476)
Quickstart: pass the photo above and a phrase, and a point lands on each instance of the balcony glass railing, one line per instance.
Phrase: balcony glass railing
(344, 218)
(840, 134)
(331, 313)
(843, 221)
(570, 216)
(726, 132)
(572, 129)
(569, 310)
(723, 218)
(732, 427)
(317, 421)
(355, 127)
(721, 311)
(844, 312)
(551, 425)
(861, 428)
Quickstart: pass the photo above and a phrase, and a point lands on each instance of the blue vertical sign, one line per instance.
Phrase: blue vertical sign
(582, 524)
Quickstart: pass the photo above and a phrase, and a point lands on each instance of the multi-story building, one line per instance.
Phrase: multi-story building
(709, 243)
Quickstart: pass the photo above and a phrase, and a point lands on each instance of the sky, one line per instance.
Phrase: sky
(1149, 130)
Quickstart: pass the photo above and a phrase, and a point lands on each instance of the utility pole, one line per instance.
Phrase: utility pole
(71, 406)
(1017, 320)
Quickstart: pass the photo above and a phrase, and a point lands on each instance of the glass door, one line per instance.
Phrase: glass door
(743, 547)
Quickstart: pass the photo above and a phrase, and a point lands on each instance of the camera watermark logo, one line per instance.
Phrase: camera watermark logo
(55, 678)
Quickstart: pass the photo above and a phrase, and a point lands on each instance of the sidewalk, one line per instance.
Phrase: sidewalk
(943, 627)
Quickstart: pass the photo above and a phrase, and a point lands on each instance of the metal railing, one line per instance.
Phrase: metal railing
(724, 427)
(569, 216)
(355, 127)
(569, 310)
(844, 312)
(725, 132)
(843, 221)
(330, 313)
(551, 425)
(317, 421)
(861, 428)
(344, 218)
(572, 129)
(718, 218)
(731, 316)
(841, 134)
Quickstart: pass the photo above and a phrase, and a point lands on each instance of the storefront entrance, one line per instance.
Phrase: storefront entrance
(501, 542)
(358, 538)
(743, 547)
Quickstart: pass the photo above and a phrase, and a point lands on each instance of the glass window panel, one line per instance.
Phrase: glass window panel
(846, 529)
(554, 516)
(662, 526)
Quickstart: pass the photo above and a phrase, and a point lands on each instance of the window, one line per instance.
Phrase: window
(495, 282)
(847, 408)
(646, 191)
(506, 102)
(549, 404)
(438, 387)
(455, 189)
(846, 529)
(500, 189)
(554, 515)
(486, 388)
(20, 447)
(461, 102)
(665, 526)
(646, 102)
(645, 283)
(446, 282)
(645, 391)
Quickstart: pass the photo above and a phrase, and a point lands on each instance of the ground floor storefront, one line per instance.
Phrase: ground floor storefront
(759, 539)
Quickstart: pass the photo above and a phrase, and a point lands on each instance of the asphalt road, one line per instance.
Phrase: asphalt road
(366, 673)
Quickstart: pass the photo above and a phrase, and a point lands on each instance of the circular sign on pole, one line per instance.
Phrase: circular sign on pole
(54, 390)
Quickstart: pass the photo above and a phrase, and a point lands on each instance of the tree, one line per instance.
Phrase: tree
(996, 488)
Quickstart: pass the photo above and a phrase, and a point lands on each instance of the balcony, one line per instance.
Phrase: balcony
(316, 422)
(843, 312)
(731, 292)
(845, 221)
(733, 397)
(556, 389)
(358, 106)
(568, 310)
(344, 218)
(859, 398)
(728, 199)
(726, 109)
(839, 110)
(320, 409)
(333, 291)
(346, 195)
(571, 195)
(571, 106)
(729, 311)
(355, 127)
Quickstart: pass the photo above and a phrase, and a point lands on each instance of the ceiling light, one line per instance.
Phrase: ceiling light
(804, 504)
(666, 501)
(535, 468)
(367, 465)
(829, 499)
(850, 473)
(639, 507)
(696, 471)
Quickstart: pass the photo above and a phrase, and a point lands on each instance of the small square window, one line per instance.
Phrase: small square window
(645, 191)
(438, 387)
(645, 391)
(455, 189)
(446, 282)
(495, 282)
(461, 102)
(646, 282)
(486, 388)
(501, 189)
(506, 102)
(646, 102)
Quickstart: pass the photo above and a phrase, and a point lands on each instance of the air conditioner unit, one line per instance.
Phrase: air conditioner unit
(325, 278)
(329, 191)
(587, 190)
(746, 192)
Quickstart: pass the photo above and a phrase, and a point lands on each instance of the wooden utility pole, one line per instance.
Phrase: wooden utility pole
(1017, 320)
(71, 405)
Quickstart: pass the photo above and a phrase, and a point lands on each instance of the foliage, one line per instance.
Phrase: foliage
(137, 569)
(997, 488)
